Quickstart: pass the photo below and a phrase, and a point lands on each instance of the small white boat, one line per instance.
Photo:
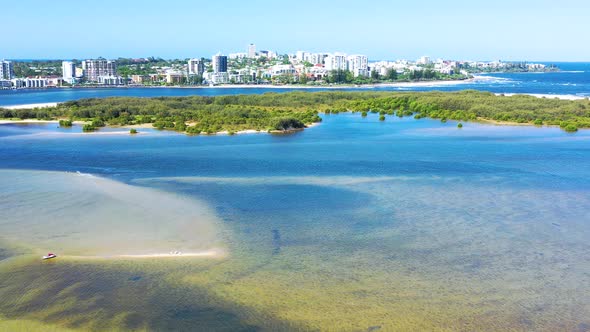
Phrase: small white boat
(49, 256)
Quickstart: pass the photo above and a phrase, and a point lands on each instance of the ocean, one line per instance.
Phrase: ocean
(352, 225)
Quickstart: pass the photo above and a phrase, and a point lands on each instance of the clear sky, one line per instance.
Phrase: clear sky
(454, 29)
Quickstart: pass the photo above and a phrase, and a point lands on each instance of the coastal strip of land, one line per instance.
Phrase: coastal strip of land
(297, 110)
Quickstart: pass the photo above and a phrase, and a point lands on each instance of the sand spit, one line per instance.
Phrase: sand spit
(212, 253)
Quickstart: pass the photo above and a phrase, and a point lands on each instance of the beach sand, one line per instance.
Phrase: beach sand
(212, 253)
(24, 106)
(38, 121)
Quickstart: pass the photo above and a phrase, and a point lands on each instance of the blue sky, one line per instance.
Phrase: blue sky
(477, 30)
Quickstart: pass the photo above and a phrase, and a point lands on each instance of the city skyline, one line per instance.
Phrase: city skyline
(528, 30)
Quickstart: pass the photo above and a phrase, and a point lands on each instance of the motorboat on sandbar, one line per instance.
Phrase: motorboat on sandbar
(49, 256)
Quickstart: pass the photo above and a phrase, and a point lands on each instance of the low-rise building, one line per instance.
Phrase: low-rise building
(174, 77)
(5, 84)
(217, 78)
(281, 70)
(54, 81)
(139, 79)
(29, 83)
(110, 80)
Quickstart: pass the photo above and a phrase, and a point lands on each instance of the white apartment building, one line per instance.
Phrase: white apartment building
(29, 83)
(268, 54)
(218, 78)
(425, 60)
(251, 51)
(238, 56)
(68, 69)
(110, 80)
(6, 70)
(278, 70)
(317, 58)
(196, 67)
(336, 61)
(301, 56)
(99, 67)
(358, 65)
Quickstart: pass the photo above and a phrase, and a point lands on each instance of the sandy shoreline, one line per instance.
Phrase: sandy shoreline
(213, 253)
(25, 106)
(125, 127)
(332, 86)
(38, 121)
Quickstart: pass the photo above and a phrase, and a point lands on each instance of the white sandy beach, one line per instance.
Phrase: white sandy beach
(36, 121)
(23, 106)
(212, 253)
(333, 86)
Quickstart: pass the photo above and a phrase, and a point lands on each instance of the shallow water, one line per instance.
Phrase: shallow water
(80, 214)
(352, 225)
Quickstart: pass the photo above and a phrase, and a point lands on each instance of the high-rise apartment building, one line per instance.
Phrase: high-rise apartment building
(6, 70)
(68, 69)
(196, 67)
(219, 63)
(251, 51)
(358, 65)
(98, 67)
(336, 61)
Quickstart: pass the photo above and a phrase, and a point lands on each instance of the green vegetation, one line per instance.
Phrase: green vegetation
(37, 68)
(570, 128)
(339, 76)
(287, 111)
(98, 123)
(382, 118)
(459, 125)
(65, 123)
(88, 128)
(133, 131)
(287, 124)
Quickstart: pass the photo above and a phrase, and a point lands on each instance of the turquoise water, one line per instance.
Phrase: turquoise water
(354, 224)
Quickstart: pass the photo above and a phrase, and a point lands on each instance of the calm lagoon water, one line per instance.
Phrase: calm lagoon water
(354, 225)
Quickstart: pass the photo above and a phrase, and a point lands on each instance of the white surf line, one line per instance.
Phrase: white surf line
(542, 95)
